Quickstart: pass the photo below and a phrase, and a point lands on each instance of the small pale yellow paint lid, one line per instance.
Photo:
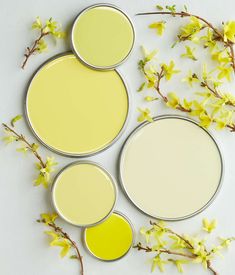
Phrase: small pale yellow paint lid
(110, 240)
(84, 193)
(102, 36)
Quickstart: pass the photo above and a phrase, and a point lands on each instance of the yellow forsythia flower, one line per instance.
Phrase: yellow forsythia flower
(209, 226)
(189, 53)
(145, 115)
(49, 218)
(229, 31)
(173, 100)
(65, 245)
(191, 78)
(37, 24)
(205, 120)
(169, 70)
(225, 72)
(158, 262)
(158, 26)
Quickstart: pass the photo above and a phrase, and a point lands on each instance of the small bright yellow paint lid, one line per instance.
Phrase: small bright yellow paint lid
(74, 110)
(110, 240)
(84, 193)
(102, 36)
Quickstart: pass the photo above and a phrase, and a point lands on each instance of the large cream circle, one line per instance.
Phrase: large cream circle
(84, 194)
(171, 168)
(102, 36)
(74, 110)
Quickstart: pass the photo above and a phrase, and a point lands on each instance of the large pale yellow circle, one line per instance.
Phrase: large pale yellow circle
(171, 168)
(111, 239)
(84, 194)
(75, 110)
(102, 36)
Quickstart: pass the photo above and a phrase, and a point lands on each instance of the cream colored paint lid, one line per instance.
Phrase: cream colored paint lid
(171, 168)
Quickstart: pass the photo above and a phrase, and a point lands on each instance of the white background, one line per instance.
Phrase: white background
(24, 248)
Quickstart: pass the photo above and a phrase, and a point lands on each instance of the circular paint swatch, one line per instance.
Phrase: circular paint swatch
(74, 110)
(171, 168)
(84, 194)
(102, 36)
(110, 240)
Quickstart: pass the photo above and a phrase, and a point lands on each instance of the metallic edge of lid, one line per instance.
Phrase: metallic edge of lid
(112, 260)
(74, 155)
(113, 181)
(122, 181)
(102, 68)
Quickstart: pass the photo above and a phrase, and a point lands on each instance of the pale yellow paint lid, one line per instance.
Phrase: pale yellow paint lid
(110, 240)
(171, 168)
(75, 110)
(102, 36)
(84, 194)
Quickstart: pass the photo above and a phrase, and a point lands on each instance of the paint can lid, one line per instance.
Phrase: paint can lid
(102, 36)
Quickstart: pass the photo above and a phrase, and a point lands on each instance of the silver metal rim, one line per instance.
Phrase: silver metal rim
(101, 68)
(78, 163)
(122, 181)
(113, 260)
(74, 155)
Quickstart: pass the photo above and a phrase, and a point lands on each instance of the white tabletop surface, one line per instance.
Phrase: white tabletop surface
(24, 248)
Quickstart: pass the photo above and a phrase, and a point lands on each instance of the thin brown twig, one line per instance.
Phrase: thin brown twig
(209, 263)
(73, 243)
(213, 91)
(170, 252)
(157, 87)
(182, 14)
(211, 268)
(180, 107)
(24, 140)
(65, 235)
(216, 93)
(166, 251)
(34, 48)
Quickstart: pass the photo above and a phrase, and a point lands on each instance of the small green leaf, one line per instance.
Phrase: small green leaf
(160, 8)
(171, 8)
(185, 8)
(35, 146)
(23, 149)
(142, 86)
(15, 119)
(150, 98)
(42, 46)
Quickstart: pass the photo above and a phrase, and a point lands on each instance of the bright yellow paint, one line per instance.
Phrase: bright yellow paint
(103, 36)
(76, 110)
(111, 239)
(84, 194)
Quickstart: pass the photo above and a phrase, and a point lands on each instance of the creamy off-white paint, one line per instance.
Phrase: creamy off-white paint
(171, 168)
